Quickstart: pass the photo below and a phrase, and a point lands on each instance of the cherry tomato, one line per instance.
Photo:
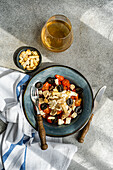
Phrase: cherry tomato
(59, 77)
(74, 90)
(78, 102)
(75, 97)
(47, 110)
(59, 116)
(66, 82)
(46, 86)
(49, 120)
(65, 88)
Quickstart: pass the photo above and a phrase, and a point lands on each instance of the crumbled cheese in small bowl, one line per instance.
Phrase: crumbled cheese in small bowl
(27, 59)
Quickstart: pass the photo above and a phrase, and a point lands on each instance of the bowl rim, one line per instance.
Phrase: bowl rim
(18, 52)
(59, 65)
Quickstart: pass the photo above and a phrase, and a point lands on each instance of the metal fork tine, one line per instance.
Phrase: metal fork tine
(34, 94)
(37, 92)
(31, 91)
(34, 91)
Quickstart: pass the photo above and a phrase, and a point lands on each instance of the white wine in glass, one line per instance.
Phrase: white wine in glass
(57, 34)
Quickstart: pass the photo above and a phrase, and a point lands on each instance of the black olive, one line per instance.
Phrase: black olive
(50, 80)
(69, 101)
(43, 106)
(78, 110)
(79, 90)
(39, 85)
(60, 88)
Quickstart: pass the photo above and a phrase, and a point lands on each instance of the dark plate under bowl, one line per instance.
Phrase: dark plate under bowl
(17, 54)
(75, 77)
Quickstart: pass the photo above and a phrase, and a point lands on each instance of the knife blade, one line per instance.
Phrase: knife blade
(97, 99)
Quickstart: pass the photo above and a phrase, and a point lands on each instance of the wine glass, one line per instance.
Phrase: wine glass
(57, 34)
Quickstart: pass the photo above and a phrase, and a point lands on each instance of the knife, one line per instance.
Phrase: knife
(97, 99)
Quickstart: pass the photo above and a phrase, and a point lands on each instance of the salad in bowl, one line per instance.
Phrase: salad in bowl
(60, 101)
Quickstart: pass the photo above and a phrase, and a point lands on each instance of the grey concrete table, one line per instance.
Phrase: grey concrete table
(91, 53)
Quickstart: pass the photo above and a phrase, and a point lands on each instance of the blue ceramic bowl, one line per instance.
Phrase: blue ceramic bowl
(17, 54)
(75, 77)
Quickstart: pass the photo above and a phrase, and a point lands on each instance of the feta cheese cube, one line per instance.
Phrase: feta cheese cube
(51, 117)
(74, 107)
(55, 89)
(46, 93)
(68, 120)
(41, 112)
(60, 122)
(56, 82)
(74, 115)
(55, 93)
(72, 86)
(40, 92)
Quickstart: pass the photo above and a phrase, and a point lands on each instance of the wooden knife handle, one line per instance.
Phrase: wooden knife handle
(42, 133)
(85, 130)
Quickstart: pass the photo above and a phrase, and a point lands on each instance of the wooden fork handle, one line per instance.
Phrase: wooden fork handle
(42, 133)
(85, 130)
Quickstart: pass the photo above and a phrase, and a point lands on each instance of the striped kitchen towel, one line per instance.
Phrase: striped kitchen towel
(19, 143)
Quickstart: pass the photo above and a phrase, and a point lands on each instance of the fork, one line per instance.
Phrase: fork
(41, 129)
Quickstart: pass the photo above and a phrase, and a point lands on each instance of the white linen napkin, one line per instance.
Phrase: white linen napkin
(20, 144)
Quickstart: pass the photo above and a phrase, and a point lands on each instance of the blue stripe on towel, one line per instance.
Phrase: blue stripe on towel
(26, 140)
(24, 80)
(23, 165)
(12, 146)
(33, 135)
